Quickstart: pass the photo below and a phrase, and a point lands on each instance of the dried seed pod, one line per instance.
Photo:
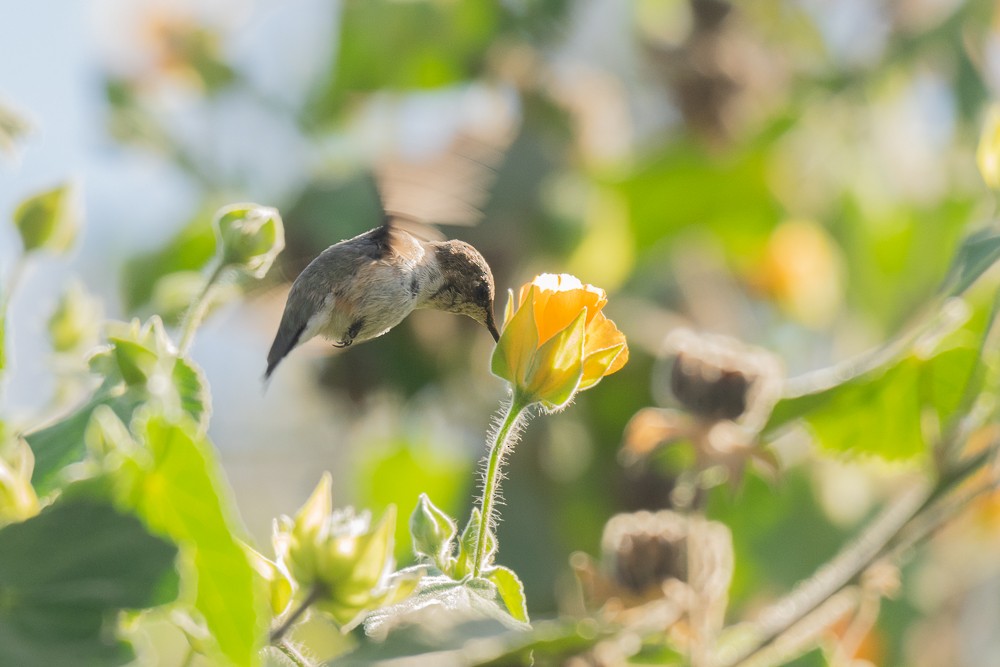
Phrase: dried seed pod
(718, 378)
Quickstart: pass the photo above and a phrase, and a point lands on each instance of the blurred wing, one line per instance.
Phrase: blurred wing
(449, 188)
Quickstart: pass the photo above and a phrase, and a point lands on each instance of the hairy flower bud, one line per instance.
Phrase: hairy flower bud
(433, 533)
(249, 236)
(339, 557)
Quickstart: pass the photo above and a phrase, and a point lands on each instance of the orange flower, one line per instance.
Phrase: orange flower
(557, 341)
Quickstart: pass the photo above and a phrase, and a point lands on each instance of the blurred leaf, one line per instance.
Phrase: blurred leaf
(680, 188)
(880, 412)
(190, 250)
(62, 443)
(75, 322)
(65, 574)
(975, 256)
(124, 390)
(476, 642)
(183, 495)
(988, 152)
(48, 220)
(434, 44)
(192, 390)
(13, 128)
(398, 473)
(511, 591)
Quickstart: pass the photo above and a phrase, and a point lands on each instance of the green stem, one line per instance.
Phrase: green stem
(292, 654)
(278, 633)
(196, 313)
(491, 481)
(6, 295)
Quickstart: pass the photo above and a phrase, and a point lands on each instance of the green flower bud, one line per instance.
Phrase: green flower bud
(75, 323)
(49, 220)
(338, 557)
(17, 497)
(249, 236)
(135, 352)
(433, 532)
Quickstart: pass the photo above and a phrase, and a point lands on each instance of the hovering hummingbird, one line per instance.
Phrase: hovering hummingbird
(362, 287)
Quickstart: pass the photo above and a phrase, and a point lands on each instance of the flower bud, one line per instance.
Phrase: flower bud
(49, 220)
(75, 323)
(433, 532)
(249, 236)
(339, 557)
(17, 497)
(136, 352)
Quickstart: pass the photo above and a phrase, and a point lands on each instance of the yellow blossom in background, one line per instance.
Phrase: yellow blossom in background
(557, 341)
(988, 153)
(802, 270)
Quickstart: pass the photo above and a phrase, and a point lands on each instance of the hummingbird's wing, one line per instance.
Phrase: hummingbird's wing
(448, 188)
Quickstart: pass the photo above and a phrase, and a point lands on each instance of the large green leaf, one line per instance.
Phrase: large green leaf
(62, 443)
(63, 576)
(881, 412)
(182, 494)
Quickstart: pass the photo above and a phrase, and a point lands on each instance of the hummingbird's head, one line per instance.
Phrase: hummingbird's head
(466, 284)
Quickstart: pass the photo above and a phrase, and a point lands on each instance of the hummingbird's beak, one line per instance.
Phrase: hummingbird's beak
(491, 324)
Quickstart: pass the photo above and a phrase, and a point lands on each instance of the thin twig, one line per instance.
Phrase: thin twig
(196, 313)
(314, 594)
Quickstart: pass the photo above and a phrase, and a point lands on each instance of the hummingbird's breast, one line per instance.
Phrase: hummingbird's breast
(382, 291)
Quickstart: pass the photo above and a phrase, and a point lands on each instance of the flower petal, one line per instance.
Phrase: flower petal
(516, 347)
(603, 334)
(558, 365)
(596, 365)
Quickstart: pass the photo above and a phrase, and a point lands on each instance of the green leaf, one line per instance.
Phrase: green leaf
(975, 256)
(192, 391)
(63, 442)
(48, 220)
(190, 250)
(881, 412)
(65, 573)
(124, 390)
(511, 591)
(183, 495)
(453, 602)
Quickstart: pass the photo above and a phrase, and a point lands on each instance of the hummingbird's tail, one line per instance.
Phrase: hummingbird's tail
(284, 342)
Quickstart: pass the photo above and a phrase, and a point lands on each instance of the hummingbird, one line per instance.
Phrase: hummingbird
(362, 287)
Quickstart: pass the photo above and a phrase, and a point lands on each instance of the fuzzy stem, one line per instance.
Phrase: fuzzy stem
(293, 654)
(279, 632)
(491, 480)
(196, 313)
